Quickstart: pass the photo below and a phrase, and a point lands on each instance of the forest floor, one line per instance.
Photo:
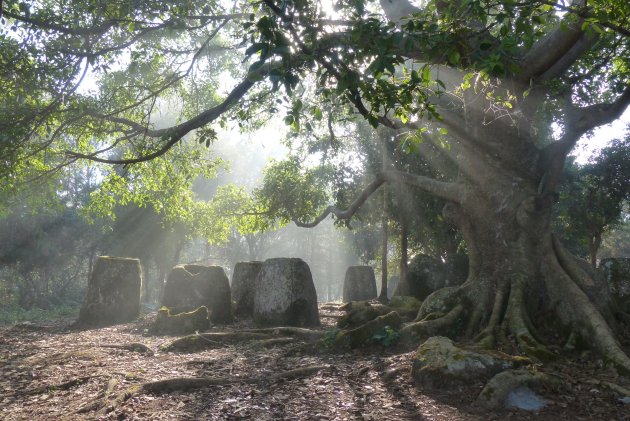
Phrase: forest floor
(51, 371)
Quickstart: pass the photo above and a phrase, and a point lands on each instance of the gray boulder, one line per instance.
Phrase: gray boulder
(359, 284)
(244, 287)
(438, 363)
(285, 294)
(181, 323)
(438, 302)
(189, 287)
(113, 293)
(514, 389)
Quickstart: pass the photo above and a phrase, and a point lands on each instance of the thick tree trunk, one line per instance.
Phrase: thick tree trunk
(593, 247)
(519, 272)
(383, 295)
(404, 244)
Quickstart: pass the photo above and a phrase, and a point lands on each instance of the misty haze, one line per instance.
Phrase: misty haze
(296, 210)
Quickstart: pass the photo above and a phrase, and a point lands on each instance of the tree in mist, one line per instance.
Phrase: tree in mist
(475, 84)
(47, 242)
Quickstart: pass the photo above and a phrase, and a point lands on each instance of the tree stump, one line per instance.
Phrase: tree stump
(191, 286)
(359, 284)
(285, 294)
(244, 287)
(113, 294)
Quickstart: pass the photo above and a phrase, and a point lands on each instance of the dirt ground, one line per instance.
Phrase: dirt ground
(54, 372)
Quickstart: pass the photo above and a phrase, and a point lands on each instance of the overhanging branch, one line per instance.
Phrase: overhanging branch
(450, 191)
(173, 134)
(580, 121)
(549, 50)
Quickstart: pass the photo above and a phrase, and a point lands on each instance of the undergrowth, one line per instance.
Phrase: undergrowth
(16, 314)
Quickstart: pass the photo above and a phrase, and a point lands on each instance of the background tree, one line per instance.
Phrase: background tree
(593, 198)
(48, 245)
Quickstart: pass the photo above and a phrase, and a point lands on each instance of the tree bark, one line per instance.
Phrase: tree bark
(595, 242)
(383, 295)
(404, 240)
(517, 272)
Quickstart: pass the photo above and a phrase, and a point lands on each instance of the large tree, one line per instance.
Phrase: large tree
(474, 84)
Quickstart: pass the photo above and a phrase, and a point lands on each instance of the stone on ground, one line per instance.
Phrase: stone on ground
(513, 389)
(190, 286)
(285, 294)
(244, 287)
(113, 293)
(181, 323)
(382, 329)
(360, 312)
(359, 284)
(438, 363)
(406, 306)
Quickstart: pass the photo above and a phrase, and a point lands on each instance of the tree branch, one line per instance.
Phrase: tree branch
(562, 64)
(583, 14)
(580, 121)
(549, 50)
(587, 118)
(449, 191)
(350, 211)
(173, 134)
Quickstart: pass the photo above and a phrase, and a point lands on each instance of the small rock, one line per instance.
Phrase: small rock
(625, 400)
(512, 389)
(524, 398)
(439, 363)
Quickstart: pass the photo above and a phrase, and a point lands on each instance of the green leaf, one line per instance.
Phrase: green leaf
(317, 113)
(255, 48)
(426, 74)
(454, 57)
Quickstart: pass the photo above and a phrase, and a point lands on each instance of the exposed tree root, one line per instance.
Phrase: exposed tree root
(424, 328)
(576, 310)
(520, 325)
(298, 332)
(61, 386)
(487, 337)
(589, 281)
(201, 341)
(133, 347)
(473, 322)
(101, 399)
(613, 387)
(184, 384)
(269, 343)
(364, 334)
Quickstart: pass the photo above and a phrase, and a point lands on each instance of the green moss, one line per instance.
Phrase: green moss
(382, 329)
(433, 316)
(405, 303)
